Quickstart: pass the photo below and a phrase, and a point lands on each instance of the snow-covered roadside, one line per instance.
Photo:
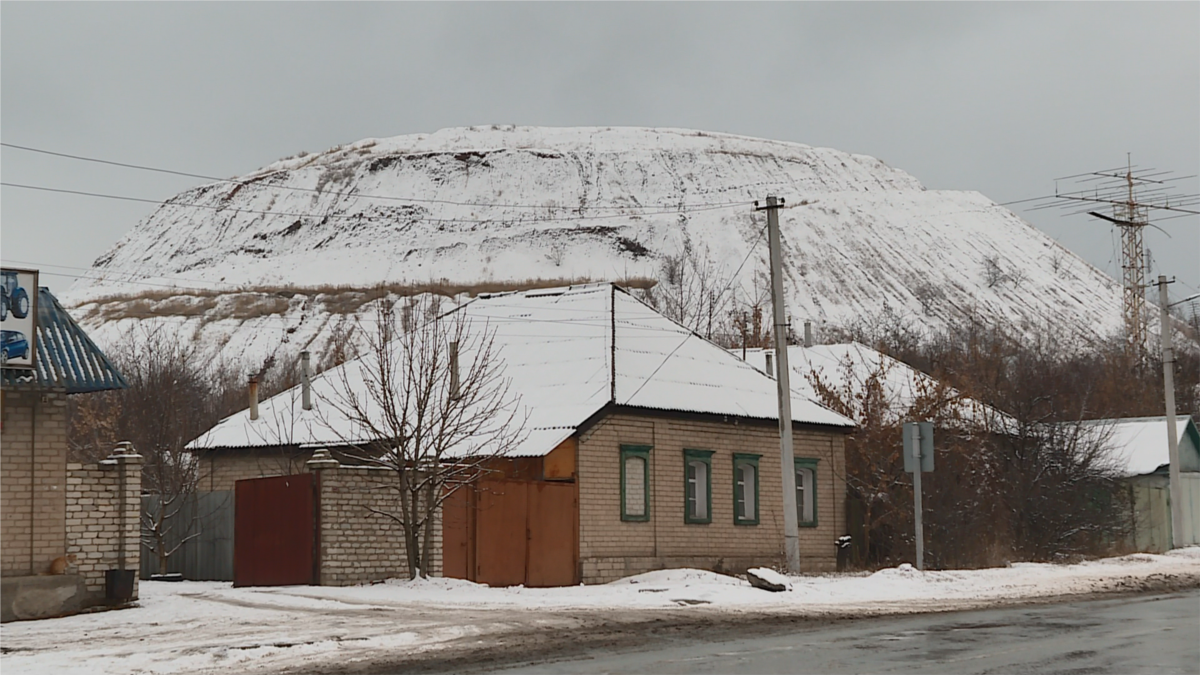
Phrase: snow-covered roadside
(208, 626)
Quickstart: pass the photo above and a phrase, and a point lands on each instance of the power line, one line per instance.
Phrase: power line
(358, 216)
(253, 182)
(136, 275)
(738, 271)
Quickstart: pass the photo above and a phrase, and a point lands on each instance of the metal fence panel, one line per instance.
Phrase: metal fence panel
(209, 555)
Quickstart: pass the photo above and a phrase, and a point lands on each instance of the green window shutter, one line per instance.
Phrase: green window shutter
(635, 483)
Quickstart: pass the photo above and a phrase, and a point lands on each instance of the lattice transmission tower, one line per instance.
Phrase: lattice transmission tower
(1133, 193)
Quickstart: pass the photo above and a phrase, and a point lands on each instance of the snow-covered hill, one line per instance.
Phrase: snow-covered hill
(515, 203)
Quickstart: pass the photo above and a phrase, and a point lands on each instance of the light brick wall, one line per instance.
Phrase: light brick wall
(33, 481)
(220, 470)
(610, 548)
(358, 546)
(94, 518)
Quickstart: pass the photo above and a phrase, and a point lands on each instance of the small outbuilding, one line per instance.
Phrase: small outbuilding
(69, 533)
(1139, 447)
(647, 447)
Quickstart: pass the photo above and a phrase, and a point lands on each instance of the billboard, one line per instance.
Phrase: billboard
(18, 317)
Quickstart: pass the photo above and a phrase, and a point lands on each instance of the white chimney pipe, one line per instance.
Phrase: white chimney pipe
(253, 397)
(454, 381)
(305, 381)
(808, 334)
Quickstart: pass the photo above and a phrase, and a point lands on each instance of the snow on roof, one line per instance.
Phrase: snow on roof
(1139, 444)
(851, 364)
(557, 347)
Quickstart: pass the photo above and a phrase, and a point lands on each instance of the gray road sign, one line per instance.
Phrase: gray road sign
(925, 445)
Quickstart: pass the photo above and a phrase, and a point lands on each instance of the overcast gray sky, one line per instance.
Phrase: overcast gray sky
(999, 98)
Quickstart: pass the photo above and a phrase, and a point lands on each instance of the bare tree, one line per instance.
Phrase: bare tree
(874, 465)
(427, 402)
(1030, 482)
(694, 290)
(172, 398)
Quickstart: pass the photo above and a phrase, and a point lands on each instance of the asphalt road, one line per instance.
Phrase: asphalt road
(1127, 634)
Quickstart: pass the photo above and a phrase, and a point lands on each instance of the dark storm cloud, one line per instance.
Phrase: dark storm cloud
(998, 98)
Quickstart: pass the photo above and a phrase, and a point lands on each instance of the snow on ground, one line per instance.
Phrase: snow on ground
(210, 626)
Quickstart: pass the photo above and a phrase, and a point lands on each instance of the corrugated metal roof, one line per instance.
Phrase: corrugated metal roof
(560, 350)
(67, 359)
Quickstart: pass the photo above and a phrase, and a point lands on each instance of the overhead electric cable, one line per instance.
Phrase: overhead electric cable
(235, 209)
(252, 181)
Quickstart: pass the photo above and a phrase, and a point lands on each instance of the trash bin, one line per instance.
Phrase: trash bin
(843, 552)
(118, 585)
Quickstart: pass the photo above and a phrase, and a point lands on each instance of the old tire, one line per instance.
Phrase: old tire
(19, 303)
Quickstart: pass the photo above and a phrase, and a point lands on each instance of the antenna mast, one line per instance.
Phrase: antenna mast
(1131, 217)
(1132, 193)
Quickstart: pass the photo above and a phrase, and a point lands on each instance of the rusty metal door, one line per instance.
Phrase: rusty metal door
(274, 533)
(509, 532)
(457, 540)
(552, 535)
(500, 545)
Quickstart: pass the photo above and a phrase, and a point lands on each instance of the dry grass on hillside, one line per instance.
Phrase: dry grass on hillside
(250, 302)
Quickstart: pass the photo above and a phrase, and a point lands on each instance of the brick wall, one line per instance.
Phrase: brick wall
(358, 546)
(33, 481)
(97, 510)
(221, 469)
(610, 548)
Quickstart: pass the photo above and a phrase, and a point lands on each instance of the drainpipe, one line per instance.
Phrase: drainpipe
(33, 417)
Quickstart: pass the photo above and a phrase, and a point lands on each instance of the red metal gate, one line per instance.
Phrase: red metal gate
(274, 533)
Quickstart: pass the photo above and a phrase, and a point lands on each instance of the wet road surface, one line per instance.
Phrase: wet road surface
(1127, 634)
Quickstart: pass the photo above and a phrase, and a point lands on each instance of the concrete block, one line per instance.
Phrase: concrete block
(41, 597)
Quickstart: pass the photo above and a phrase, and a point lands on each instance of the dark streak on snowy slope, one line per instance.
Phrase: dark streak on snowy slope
(871, 235)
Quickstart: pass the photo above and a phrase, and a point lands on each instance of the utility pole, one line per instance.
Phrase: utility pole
(1168, 359)
(791, 529)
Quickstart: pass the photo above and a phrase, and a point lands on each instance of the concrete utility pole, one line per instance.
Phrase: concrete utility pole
(791, 529)
(1168, 359)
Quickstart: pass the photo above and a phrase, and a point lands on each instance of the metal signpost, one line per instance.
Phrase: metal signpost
(918, 459)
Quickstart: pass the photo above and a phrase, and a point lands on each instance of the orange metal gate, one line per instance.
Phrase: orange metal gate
(274, 533)
(507, 532)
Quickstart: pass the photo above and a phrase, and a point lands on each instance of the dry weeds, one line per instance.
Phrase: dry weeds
(251, 302)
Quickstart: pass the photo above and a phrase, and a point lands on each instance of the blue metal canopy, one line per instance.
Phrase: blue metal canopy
(67, 359)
